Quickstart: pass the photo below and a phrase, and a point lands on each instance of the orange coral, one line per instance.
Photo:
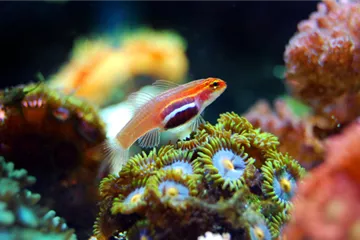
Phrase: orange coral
(296, 136)
(343, 152)
(327, 203)
(323, 58)
(157, 54)
(327, 208)
(96, 67)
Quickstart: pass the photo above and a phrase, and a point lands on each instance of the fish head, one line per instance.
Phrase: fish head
(213, 88)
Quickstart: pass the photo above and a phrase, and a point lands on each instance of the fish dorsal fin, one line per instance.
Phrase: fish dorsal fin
(147, 93)
(164, 85)
(141, 97)
(197, 122)
(150, 139)
(137, 99)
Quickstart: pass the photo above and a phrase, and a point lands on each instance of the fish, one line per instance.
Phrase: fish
(175, 107)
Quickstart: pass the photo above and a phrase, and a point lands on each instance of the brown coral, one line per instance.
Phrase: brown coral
(330, 195)
(322, 59)
(50, 135)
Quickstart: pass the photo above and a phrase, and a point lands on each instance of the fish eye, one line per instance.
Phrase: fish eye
(214, 85)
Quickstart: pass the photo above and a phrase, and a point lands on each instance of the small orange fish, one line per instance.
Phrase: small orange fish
(177, 106)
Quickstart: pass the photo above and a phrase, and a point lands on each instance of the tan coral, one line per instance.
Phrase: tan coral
(296, 136)
(340, 113)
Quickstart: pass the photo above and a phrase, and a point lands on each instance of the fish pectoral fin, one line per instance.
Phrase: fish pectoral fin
(197, 122)
(150, 139)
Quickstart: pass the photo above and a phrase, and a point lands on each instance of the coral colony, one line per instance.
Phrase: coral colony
(21, 216)
(234, 181)
(244, 177)
(55, 132)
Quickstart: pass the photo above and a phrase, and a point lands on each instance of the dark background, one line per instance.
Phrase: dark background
(240, 42)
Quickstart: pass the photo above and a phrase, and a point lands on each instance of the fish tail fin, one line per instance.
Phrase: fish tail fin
(115, 155)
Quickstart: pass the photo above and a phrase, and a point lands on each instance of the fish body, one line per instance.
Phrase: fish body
(176, 107)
